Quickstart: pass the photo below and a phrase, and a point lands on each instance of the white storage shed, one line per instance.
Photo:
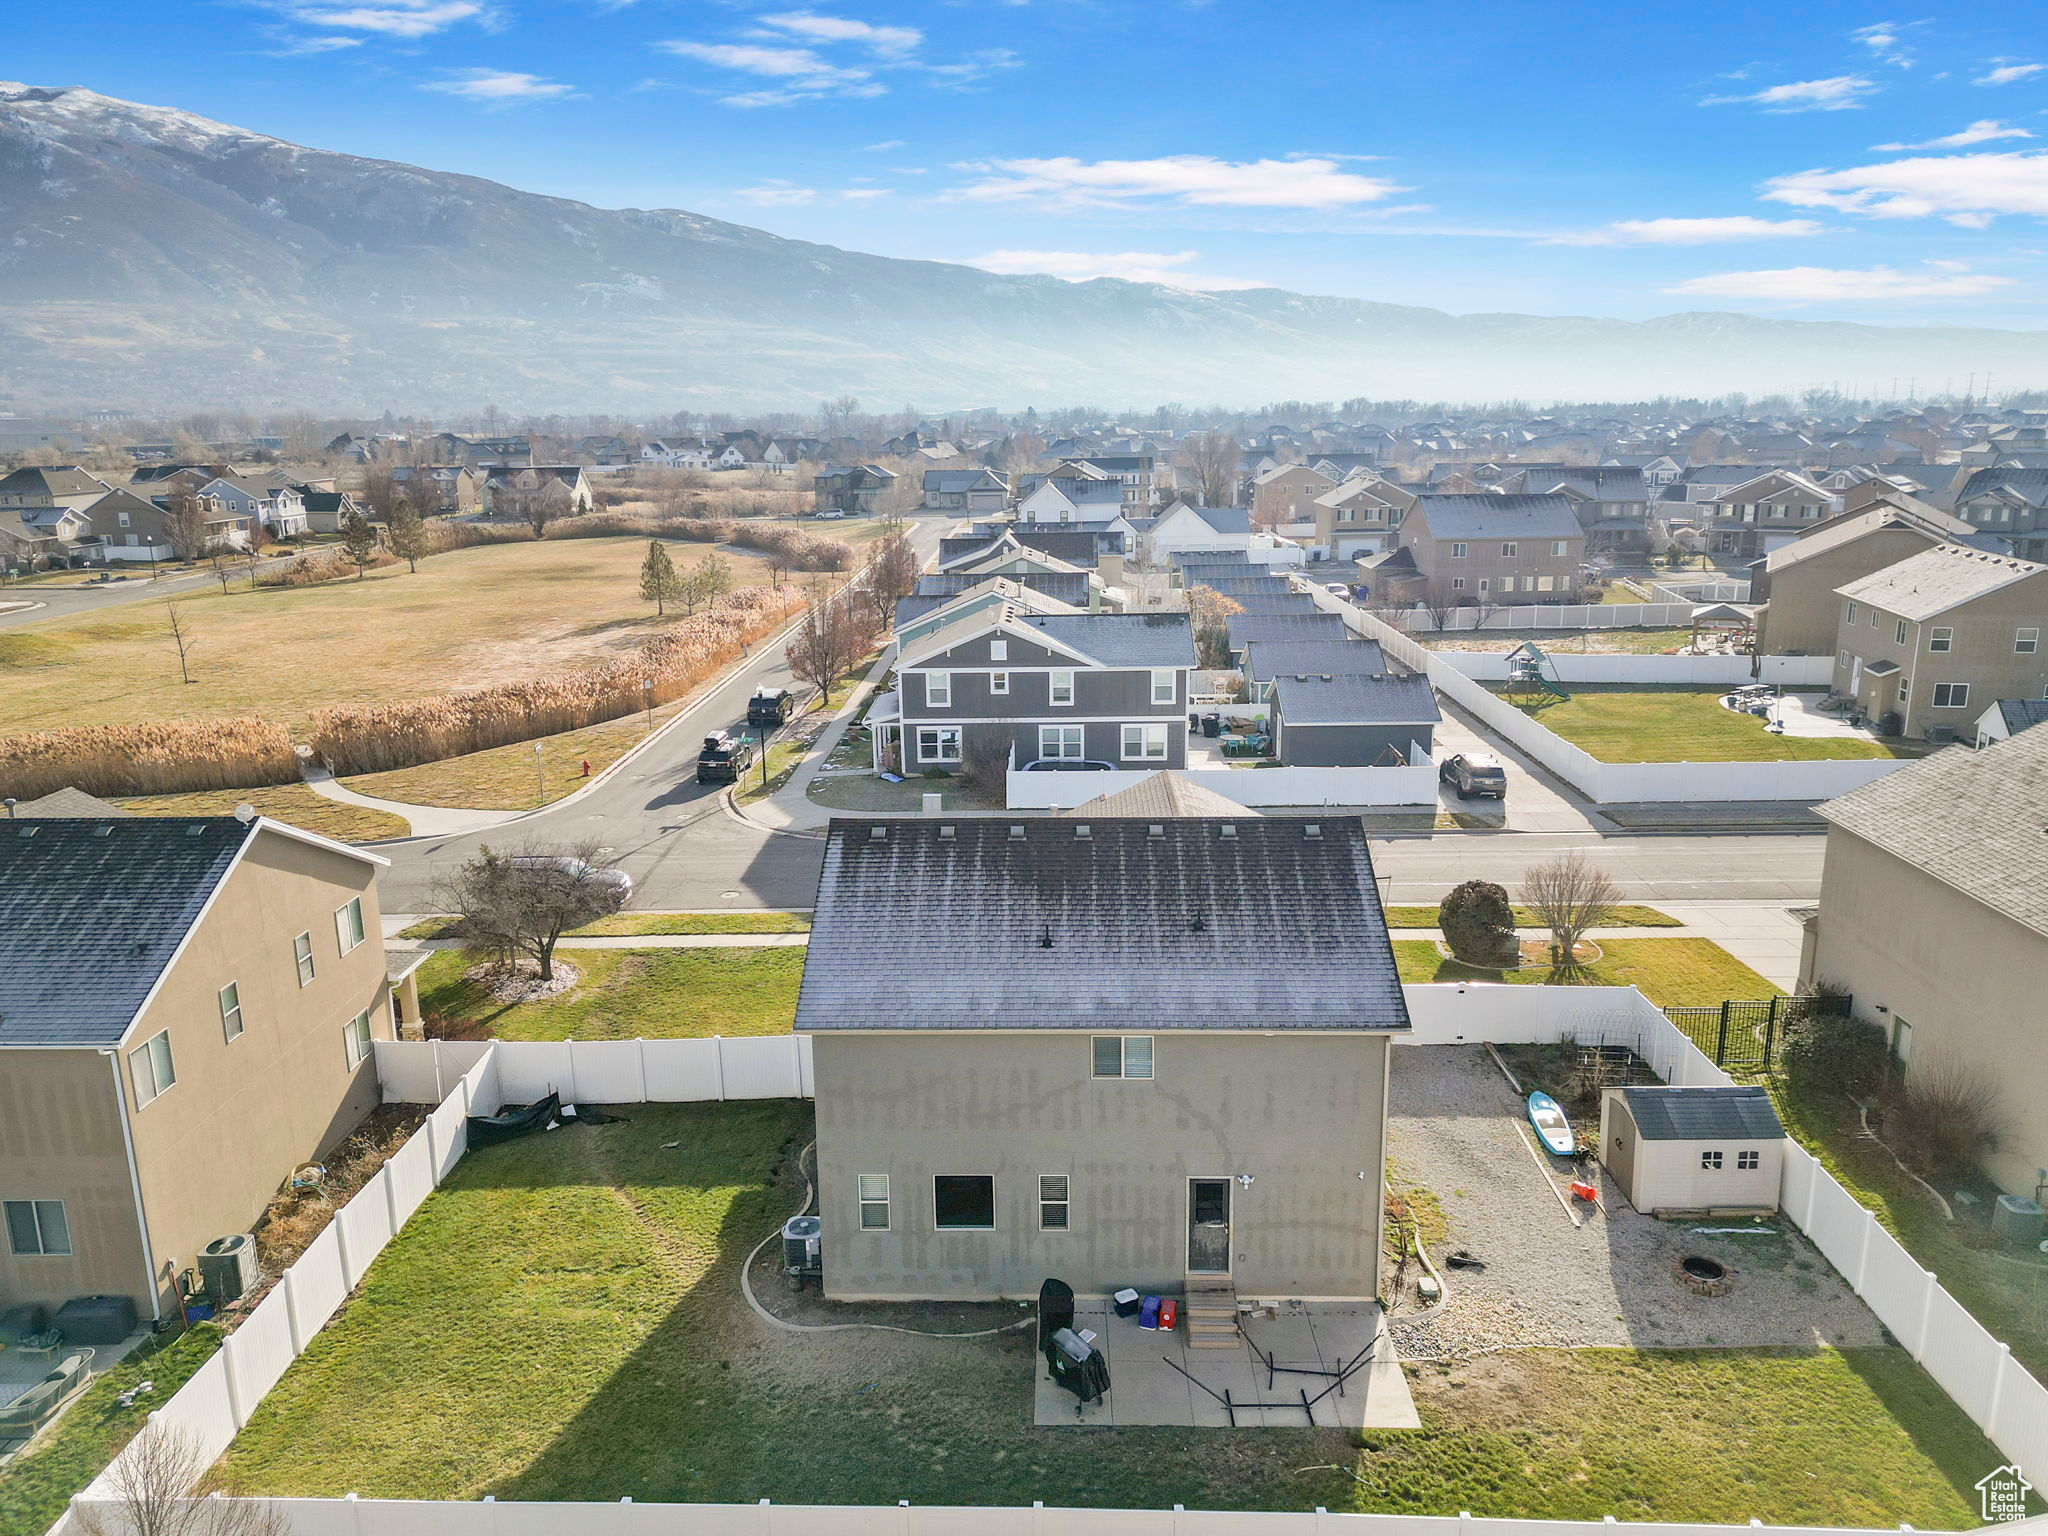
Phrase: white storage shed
(1693, 1149)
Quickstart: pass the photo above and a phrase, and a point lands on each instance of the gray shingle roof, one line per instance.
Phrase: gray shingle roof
(1938, 579)
(1152, 925)
(1741, 1113)
(1355, 699)
(2022, 714)
(1122, 639)
(1244, 586)
(91, 912)
(1276, 603)
(1245, 628)
(1976, 820)
(1158, 795)
(1340, 658)
(1499, 517)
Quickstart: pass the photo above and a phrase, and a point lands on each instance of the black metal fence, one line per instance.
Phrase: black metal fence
(1746, 1036)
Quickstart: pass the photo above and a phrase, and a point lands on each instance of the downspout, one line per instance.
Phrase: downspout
(156, 1306)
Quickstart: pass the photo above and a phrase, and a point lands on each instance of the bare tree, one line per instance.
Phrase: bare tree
(1569, 895)
(520, 904)
(1439, 605)
(223, 565)
(152, 1482)
(180, 638)
(185, 524)
(1484, 610)
(1209, 613)
(823, 647)
(891, 576)
(382, 490)
(1213, 463)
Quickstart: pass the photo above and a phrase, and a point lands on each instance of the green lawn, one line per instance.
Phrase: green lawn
(1683, 971)
(1620, 723)
(1624, 917)
(1563, 641)
(562, 1321)
(294, 803)
(627, 994)
(640, 924)
(34, 1488)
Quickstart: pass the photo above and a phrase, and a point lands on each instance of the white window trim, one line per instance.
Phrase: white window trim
(862, 1200)
(998, 683)
(1459, 549)
(1941, 640)
(348, 924)
(142, 1058)
(1711, 1162)
(999, 650)
(941, 757)
(1171, 683)
(1059, 742)
(1954, 702)
(234, 1014)
(991, 1201)
(1510, 549)
(1066, 1203)
(358, 1050)
(1749, 1160)
(1123, 1073)
(302, 958)
(42, 1250)
(938, 690)
(1053, 686)
(2026, 640)
(1147, 731)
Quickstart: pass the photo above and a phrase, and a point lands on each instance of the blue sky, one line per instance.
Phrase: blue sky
(1821, 161)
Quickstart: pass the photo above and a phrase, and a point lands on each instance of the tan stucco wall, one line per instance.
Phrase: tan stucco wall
(1804, 612)
(1303, 1113)
(1966, 978)
(1981, 655)
(245, 1112)
(60, 1139)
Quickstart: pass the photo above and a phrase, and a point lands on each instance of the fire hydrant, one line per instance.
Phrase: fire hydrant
(586, 767)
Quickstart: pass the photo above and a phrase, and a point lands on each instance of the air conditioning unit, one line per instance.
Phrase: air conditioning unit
(228, 1269)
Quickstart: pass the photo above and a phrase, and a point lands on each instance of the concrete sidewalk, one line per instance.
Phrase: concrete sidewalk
(1763, 935)
(790, 808)
(654, 941)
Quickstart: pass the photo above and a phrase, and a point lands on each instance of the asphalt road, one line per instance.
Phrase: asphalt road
(57, 602)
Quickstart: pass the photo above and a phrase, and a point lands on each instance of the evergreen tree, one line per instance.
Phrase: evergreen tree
(659, 583)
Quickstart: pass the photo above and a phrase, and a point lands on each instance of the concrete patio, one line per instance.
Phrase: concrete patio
(1322, 1336)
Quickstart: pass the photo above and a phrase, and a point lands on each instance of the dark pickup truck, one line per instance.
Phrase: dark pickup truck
(724, 758)
(770, 707)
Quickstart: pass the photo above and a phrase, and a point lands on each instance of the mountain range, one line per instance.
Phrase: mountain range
(158, 260)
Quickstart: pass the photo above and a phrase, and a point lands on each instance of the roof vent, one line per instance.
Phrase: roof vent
(1045, 937)
(1199, 925)
(1016, 831)
(946, 834)
(878, 834)
(1312, 829)
(1228, 829)
(1083, 833)
(104, 829)
(1156, 829)
(28, 831)
(197, 829)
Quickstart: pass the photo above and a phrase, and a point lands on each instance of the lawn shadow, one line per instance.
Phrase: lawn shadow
(1959, 1450)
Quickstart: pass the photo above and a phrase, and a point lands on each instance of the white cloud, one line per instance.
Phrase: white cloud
(1837, 93)
(499, 87)
(891, 42)
(300, 47)
(885, 144)
(391, 18)
(1966, 189)
(1688, 231)
(1886, 40)
(777, 194)
(1186, 180)
(1949, 280)
(1983, 131)
(1131, 266)
(805, 73)
(2004, 73)
(860, 194)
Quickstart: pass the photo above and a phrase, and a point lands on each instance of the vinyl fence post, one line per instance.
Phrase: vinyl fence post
(718, 1068)
(291, 1315)
(440, 1092)
(1998, 1375)
(1863, 1251)
(390, 1197)
(236, 1412)
(640, 1050)
(764, 1521)
(348, 1276)
(433, 1150)
(1933, 1290)
(355, 1509)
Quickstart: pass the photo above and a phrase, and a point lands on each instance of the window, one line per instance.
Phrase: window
(1509, 550)
(1905, 689)
(1060, 741)
(1951, 695)
(302, 953)
(1941, 638)
(1748, 1162)
(1457, 583)
(964, 1202)
(1054, 1209)
(1557, 547)
(1127, 1056)
(999, 650)
(348, 923)
(938, 743)
(1165, 686)
(1458, 551)
(124, 519)
(938, 689)
(150, 1068)
(1507, 583)
(1145, 741)
(1545, 583)
(231, 1010)
(38, 1227)
(2026, 641)
(355, 1039)
(1899, 633)
(1850, 617)
(999, 682)
(873, 1189)
(1710, 1162)
(1059, 687)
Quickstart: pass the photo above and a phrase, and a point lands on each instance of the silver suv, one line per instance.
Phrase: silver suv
(1474, 775)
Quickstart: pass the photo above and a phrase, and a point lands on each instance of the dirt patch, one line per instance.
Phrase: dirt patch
(521, 981)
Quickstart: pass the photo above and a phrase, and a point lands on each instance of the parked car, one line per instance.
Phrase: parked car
(830, 514)
(1338, 589)
(1068, 765)
(724, 758)
(770, 707)
(616, 879)
(1474, 774)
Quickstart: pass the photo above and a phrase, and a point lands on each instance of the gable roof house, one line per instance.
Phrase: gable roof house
(1355, 517)
(1933, 916)
(1007, 684)
(2012, 503)
(439, 487)
(126, 526)
(1283, 497)
(856, 489)
(1936, 637)
(1614, 503)
(187, 1007)
(276, 503)
(1184, 529)
(1796, 583)
(943, 600)
(1264, 660)
(1752, 517)
(508, 489)
(1352, 719)
(965, 490)
(1493, 548)
(52, 486)
(1035, 1054)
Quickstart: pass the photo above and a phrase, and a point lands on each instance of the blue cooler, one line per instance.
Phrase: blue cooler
(1148, 1313)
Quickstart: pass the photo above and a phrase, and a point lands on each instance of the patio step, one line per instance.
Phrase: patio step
(1211, 1313)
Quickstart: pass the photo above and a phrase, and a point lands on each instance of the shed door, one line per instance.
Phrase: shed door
(1620, 1156)
(1208, 1226)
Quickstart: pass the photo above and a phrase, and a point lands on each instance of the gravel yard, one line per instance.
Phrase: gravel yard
(1457, 1130)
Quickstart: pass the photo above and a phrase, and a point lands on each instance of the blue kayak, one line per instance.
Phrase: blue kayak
(1552, 1128)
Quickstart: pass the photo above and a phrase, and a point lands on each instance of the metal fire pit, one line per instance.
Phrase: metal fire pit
(1704, 1276)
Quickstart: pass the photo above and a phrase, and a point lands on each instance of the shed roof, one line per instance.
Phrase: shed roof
(1355, 699)
(1739, 1113)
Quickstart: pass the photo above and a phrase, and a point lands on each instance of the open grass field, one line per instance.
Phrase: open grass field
(629, 994)
(1647, 642)
(490, 614)
(635, 924)
(1623, 917)
(1620, 723)
(562, 1320)
(1669, 971)
(294, 803)
(509, 778)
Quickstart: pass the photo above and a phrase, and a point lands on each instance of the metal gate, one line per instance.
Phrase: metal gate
(1745, 1036)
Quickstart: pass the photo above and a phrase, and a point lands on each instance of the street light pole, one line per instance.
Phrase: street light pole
(647, 691)
(540, 773)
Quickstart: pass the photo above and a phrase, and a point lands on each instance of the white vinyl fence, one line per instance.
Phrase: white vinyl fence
(1972, 1367)
(1614, 783)
(1570, 667)
(1557, 616)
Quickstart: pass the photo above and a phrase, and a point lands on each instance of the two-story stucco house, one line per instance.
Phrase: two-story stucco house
(1145, 1052)
(2011, 502)
(1491, 548)
(1098, 687)
(965, 490)
(1795, 584)
(1753, 517)
(1286, 495)
(1355, 517)
(1938, 636)
(186, 1014)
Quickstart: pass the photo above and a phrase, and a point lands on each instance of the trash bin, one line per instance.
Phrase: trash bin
(1212, 724)
(1077, 1367)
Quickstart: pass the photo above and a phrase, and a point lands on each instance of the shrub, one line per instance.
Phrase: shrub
(159, 757)
(1479, 924)
(797, 550)
(1944, 1120)
(1827, 1051)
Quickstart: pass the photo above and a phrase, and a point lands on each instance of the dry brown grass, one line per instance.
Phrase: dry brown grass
(152, 758)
